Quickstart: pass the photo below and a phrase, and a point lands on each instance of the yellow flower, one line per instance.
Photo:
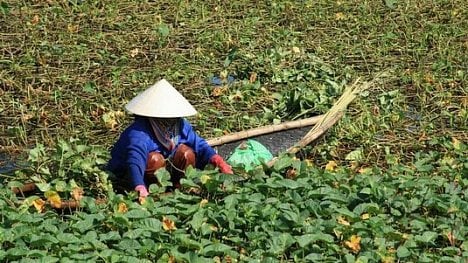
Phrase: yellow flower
(168, 224)
(39, 205)
(354, 243)
(331, 166)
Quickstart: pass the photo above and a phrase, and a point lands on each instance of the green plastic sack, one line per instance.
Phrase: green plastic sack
(250, 154)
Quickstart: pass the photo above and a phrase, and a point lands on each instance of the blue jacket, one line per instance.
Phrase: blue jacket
(130, 152)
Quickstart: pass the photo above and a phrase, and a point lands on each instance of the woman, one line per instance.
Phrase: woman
(160, 137)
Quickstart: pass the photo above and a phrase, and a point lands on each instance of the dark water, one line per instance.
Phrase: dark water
(7, 165)
(276, 142)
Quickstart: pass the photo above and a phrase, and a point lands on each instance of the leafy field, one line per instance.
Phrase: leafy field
(388, 183)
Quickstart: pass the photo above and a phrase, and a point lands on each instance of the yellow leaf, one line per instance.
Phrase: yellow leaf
(253, 77)
(228, 259)
(168, 224)
(429, 78)
(203, 202)
(364, 170)
(122, 208)
(331, 166)
(339, 16)
(110, 120)
(341, 220)
(218, 91)
(223, 74)
(39, 205)
(388, 259)
(464, 100)
(134, 52)
(451, 238)
(365, 216)
(77, 193)
(354, 165)
(456, 143)
(452, 209)
(337, 233)
(72, 28)
(354, 243)
(205, 178)
(35, 20)
(54, 199)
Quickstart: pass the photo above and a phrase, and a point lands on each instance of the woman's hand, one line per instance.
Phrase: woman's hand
(142, 191)
(223, 166)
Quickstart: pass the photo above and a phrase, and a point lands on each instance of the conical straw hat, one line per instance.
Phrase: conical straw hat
(161, 100)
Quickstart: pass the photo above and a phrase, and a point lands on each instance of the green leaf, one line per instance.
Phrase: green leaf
(164, 177)
(17, 251)
(231, 201)
(281, 242)
(187, 242)
(283, 162)
(350, 258)
(43, 187)
(197, 219)
(366, 190)
(163, 30)
(149, 224)
(4, 8)
(403, 252)
(49, 259)
(89, 87)
(68, 238)
(110, 236)
(391, 3)
(426, 237)
(84, 225)
(366, 208)
(36, 154)
(44, 240)
(61, 186)
(129, 244)
(137, 213)
(307, 239)
(135, 233)
(356, 155)
(422, 166)
(451, 251)
(288, 183)
(156, 189)
(219, 249)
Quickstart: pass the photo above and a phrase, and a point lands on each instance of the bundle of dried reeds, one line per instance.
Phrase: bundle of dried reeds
(329, 118)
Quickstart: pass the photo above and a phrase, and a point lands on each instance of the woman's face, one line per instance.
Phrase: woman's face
(168, 122)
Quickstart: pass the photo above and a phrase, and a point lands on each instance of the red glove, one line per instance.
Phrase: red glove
(142, 191)
(223, 166)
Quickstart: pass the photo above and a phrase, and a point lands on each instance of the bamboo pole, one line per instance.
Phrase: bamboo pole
(264, 130)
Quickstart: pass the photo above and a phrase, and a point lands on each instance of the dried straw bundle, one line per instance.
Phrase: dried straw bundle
(329, 118)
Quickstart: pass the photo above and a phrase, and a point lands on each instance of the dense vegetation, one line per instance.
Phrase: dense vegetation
(388, 183)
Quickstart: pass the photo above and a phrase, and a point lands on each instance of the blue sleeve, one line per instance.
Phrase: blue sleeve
(137, 154)
(202, 149)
